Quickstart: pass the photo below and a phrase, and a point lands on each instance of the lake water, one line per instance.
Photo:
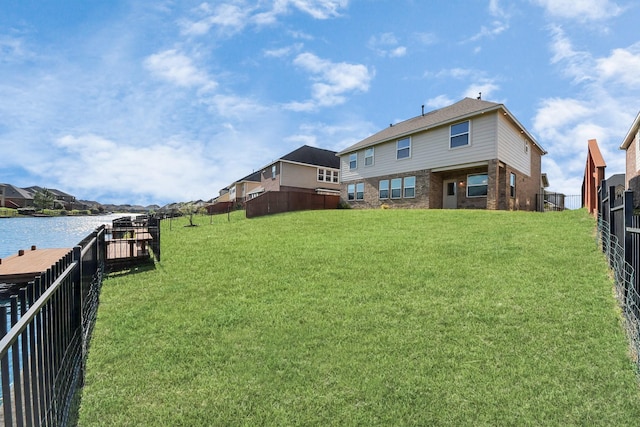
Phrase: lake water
(47, 232)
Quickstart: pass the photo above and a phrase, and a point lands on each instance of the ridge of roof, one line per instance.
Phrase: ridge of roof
(594, 152)
(462, 109)
(631, 133)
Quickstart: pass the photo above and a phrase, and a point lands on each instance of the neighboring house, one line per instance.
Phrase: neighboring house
(15, 197)
(240, 191)
(593, 177)
(618, 183)
(472, 154)
(306, 169)
(631, 145)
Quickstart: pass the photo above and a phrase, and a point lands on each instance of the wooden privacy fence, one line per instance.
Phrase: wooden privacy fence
(273, 202)
(43, 355)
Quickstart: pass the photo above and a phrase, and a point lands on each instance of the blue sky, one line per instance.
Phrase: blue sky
(160, 101)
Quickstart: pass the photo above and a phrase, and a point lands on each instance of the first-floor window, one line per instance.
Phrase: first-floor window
(396, 188)
(512, 184)
(477, 185)
(383, 188)
(360, 191)
(351, 192)
(410, 186)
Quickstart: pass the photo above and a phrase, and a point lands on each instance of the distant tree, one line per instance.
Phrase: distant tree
(188, 209)
(43, 199)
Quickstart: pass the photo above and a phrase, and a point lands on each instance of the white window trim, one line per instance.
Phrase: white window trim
(398, 149)
(328, 174)
(515, 180)
(356, 161)
(354, 192)
(404, 187)
(372, 156)
(475, 197)
(468, 144)
(358, 184)
(388, 190)
(391, 188)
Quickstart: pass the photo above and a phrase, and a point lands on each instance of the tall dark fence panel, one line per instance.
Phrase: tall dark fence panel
(619, 238)
(45, 332)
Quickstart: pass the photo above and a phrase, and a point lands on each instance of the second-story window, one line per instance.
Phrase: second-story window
(459, 135)
(353, 160)
(368, 156)
(403, 148)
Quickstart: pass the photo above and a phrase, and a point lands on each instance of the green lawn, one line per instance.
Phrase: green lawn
(376, 317)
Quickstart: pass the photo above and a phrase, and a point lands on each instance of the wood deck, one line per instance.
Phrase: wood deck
(24, 268)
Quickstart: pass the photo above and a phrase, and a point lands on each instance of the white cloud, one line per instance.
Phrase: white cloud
(177, 68)
(499, 25)
(439, 101)
(176, 170)
(387, 45)
(283, 51)
(231, 17)
(621, 66)
(333, 81)
(13, 49)
(486, 88)
(580, 10)
(575, 64)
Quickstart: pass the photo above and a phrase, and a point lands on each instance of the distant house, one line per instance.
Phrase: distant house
(15, 197)
(243, 189)
(631, 145)
(306, 169)
(472, 154)
(593, 176)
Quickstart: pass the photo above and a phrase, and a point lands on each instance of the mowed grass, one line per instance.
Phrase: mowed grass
(376, 317)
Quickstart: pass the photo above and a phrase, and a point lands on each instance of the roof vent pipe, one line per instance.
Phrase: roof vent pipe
(423, 109)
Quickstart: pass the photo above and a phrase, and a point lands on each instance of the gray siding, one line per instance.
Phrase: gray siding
(429, 150)
(511, 146)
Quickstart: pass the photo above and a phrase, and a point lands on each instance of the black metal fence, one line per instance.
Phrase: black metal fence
(42, 356)
(557, 202)
(619, 237)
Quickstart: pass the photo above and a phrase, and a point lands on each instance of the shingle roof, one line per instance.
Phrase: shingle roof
(313, 156)
(465, 108)
(13, 192)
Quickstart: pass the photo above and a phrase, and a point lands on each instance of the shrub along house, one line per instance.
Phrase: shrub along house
(472, 154)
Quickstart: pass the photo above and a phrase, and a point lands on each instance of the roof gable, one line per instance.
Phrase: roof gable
(631, 134)
(464, 109)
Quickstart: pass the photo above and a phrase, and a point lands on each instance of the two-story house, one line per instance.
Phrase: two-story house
(306, 169)
(472, 154)
(631, 145)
